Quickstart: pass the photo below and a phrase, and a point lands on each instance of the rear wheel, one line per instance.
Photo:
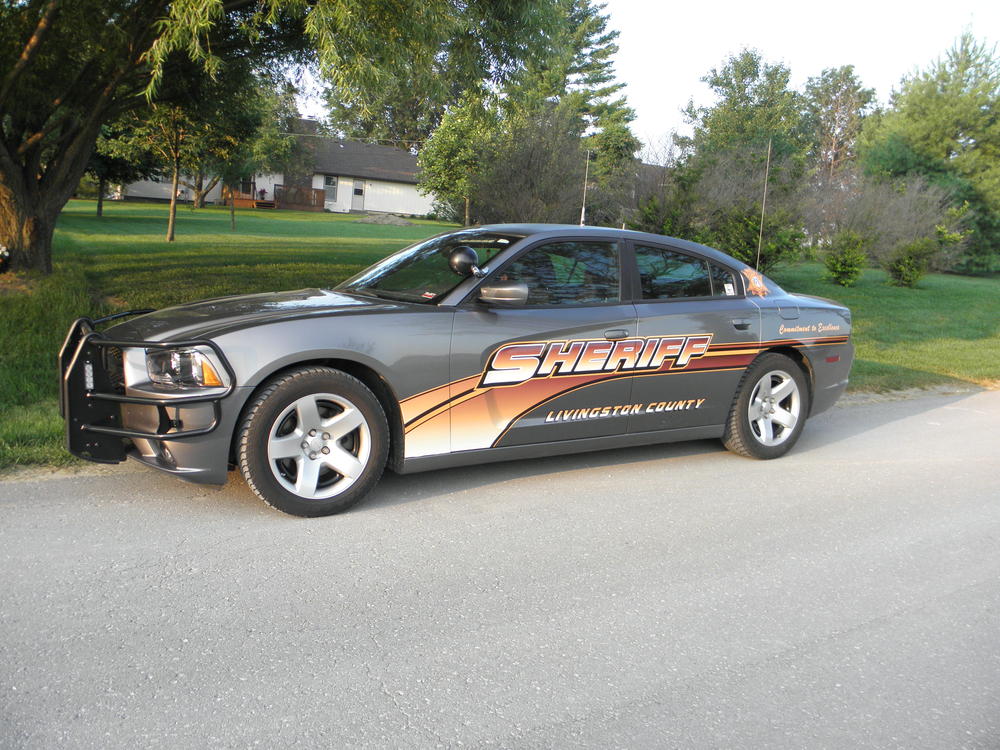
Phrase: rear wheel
(770, 408)
(313, 442)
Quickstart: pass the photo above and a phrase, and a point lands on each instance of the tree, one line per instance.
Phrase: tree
(199, 122)
(754, 105)
(836, 107)
(944, 125)
(456, 47)
(536, 163)
(577, 65)
(408, 111)
(455, 153)
(273, 148)
(167, 131)
(226, 117)
(949, 113)
(66, 68)
(487, 154)
(109, 169)
(614, 172)
(753, 133)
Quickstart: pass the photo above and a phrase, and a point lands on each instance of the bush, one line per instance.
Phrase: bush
(846, 258)
(909, 261)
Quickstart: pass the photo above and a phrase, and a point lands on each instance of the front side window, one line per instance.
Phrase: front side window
(421, 273)
(568, 273)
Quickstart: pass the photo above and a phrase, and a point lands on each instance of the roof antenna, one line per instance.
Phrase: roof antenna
(763, 205)
(586, 176)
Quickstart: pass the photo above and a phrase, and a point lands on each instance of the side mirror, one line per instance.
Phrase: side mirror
(505, 293)
(464, 261)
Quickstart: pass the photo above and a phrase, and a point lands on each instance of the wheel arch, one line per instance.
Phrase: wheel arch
(372, 379)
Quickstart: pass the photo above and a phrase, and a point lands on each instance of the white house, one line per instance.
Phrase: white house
(357, 176)
(346, 176)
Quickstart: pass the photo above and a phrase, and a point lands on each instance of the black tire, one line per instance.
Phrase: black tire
(313, 442)
(774, 389)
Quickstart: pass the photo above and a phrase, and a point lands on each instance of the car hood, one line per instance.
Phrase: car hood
(212, 317)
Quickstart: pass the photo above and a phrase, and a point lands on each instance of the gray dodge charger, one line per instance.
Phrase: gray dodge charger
(486, 344)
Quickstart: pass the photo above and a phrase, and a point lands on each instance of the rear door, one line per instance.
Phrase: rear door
(696, 310)
(546, 370)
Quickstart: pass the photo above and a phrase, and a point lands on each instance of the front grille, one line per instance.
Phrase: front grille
(114, 366)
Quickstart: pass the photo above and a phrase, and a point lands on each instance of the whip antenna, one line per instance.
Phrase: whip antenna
(763, 205)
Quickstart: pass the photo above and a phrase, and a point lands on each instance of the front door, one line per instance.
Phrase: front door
(358, 196)
(710, 331)
(548, 370)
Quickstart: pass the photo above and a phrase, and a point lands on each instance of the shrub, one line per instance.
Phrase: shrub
(846, 258)
(908, 263)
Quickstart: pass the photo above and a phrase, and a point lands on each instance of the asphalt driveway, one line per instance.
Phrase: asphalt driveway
(847, 595)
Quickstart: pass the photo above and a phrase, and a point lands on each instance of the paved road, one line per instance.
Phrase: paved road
(845, 596)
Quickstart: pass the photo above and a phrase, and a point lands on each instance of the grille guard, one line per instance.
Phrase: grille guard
(92, 410)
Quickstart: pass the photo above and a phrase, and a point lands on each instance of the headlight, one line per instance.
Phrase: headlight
(182, 368)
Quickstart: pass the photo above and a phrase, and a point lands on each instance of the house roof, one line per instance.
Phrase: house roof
(366, 160)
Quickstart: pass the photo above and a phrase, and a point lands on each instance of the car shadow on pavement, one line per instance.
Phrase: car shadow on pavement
(396, 489)
(860, 415)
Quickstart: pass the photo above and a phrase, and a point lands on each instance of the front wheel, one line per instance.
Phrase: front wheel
(770, 408)
(314, 442)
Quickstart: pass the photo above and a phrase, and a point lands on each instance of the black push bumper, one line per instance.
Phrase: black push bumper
(92, 393)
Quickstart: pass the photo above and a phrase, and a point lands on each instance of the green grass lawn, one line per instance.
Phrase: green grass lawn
(946, 330)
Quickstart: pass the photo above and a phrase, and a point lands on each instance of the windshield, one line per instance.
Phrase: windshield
(420, 273)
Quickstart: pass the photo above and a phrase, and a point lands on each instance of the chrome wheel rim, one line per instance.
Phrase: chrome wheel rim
(774, 409)
(319, 446)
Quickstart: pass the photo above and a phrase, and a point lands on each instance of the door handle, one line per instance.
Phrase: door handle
(741, 324)
(615, 334)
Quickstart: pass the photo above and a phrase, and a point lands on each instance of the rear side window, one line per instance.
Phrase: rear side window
(666, 274)
(723, 281)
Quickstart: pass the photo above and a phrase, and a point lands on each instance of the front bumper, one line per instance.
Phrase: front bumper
(106, 423)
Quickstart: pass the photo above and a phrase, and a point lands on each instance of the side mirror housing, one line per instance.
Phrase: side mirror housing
(464, 261)
(504, 293)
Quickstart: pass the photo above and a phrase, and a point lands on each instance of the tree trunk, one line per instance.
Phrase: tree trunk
(101, 186)
(466, 211)
(199, 190)
(26, 229)
(173, 199)
(30, 202)
(232, 208)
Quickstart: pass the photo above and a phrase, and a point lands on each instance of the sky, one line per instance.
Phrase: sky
(666, 48)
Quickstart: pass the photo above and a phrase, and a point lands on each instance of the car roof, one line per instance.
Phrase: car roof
(544, 231)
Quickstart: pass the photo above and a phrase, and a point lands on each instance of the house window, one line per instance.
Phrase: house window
(330, 188)
(246, 185)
